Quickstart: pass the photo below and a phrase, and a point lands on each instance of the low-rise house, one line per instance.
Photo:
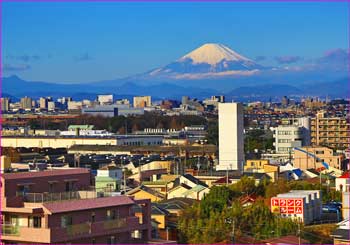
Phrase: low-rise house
(178, 191)
(197, 192)
(109, 178)
(247, 200)
(342, 183)
(143, 192)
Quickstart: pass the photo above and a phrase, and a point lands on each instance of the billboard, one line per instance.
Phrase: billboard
(284, 205)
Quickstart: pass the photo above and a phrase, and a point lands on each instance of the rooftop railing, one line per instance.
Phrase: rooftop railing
(63, 196)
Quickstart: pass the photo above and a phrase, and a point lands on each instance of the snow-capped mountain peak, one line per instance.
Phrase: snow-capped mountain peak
(213, 53)
(210, 60)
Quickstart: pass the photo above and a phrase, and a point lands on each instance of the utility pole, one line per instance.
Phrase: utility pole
(299, 239)
(227, 176)
(233, 231)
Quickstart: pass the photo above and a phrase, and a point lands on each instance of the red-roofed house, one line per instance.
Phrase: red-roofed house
(58, 206)
(342, 183)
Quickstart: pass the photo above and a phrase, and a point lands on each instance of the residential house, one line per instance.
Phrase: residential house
(144, 192)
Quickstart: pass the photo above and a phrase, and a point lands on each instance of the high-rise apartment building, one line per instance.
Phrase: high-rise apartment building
(333, 132)
(5, 104)
(26, 103)
(231, 142)
(43, 103)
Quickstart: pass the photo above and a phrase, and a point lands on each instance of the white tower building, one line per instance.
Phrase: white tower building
(231, 142)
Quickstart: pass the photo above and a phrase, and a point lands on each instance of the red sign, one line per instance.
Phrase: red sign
(275, 202)
(290, 202)
(299, 202)
(283, 202)
(287, 205)
(283, 210)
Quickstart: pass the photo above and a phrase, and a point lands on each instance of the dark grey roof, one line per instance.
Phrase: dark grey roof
(194, 180)
(342, 234)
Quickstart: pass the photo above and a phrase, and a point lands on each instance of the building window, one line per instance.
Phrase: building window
(34, 221)
(92, 217)
(111, 240)
(50, 187)
(111, 214)
(66, 220)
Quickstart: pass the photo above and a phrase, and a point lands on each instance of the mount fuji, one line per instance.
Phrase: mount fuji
(210, 69)
(210, 60)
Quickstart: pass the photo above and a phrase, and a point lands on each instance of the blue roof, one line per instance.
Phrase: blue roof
(298, 172)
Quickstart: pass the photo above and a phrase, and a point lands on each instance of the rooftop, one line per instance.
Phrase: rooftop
(45, 173)
(83, 204)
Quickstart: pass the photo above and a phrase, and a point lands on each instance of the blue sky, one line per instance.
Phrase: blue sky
(80, 42)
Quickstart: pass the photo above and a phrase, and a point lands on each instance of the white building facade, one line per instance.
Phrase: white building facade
(231, 142)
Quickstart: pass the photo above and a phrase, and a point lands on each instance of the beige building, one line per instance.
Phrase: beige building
(26, 103)
(313, 157)
(262, 166)
(142, 101)
(330, 131)
(5, 104)
(43, 103)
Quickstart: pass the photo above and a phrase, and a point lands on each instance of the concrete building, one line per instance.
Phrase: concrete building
(51, 105)
(56, 206)
(113, 110)
(74, 105)
(330, 131)
(106, 99)
(302, 205)
(5, 104)
(43, 103)
(289, 136)
(142, 101)
(68, 141)
(26, 103)
(231, 142)
(106, 111)
(214, 101)
(315, 157)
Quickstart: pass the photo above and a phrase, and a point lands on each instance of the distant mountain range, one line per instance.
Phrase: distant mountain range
(208, 70)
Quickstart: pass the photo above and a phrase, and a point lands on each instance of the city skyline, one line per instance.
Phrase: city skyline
(99, 41)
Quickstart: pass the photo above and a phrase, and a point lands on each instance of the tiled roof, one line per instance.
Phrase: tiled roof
(146, 189)
(197, 188)
(83, 204)
(194, 180)
(223, 180)
(46, 173)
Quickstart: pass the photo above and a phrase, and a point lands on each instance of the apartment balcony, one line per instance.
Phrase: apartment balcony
(86, 230)
(17, 233)
(69, 233)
